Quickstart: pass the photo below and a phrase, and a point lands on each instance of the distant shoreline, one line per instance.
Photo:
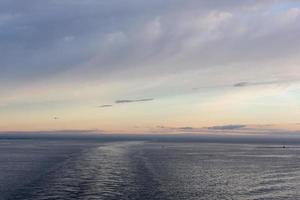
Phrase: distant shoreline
(279, 141)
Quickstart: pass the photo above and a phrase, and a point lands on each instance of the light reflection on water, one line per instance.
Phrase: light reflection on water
(144, 170)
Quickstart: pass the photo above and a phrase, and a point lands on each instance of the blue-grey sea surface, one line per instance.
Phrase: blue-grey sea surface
(62, 169)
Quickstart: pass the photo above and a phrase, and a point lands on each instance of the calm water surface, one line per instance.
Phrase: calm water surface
(60, 169)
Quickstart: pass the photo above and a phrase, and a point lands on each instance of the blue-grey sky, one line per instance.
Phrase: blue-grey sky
(196, 63)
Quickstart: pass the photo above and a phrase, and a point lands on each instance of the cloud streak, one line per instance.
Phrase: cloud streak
(241, 84)
(285, 81)
(227, 127)
(123, 101)
(105, 106)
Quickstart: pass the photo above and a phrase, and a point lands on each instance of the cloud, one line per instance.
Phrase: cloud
(188, 34)
(283, 81)
(68, 38)
(187, 128)
(241, 84)
(287, 81)
(62, 132)
(105, 106)
(149, 99)
(112, 49)
(134, 100)
(124, 101)
(212, 128)
(227, 127)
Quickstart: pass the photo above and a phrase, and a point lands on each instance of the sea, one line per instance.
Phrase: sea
(88, 169)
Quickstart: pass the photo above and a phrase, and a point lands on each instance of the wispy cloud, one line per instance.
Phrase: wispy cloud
(105, 106)
(133, 100)
(186, 128)
(124, 101)
(241, 84)
(227, 127)
(284, 81)
(149, 99)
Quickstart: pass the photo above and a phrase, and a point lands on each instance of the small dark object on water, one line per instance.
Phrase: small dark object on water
(283, 146)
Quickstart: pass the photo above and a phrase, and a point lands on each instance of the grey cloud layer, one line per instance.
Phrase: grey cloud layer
(40, 39)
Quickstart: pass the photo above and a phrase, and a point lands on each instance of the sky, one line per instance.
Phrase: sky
(140, 66)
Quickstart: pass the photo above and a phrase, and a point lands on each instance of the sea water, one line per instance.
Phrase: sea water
(78, 169)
